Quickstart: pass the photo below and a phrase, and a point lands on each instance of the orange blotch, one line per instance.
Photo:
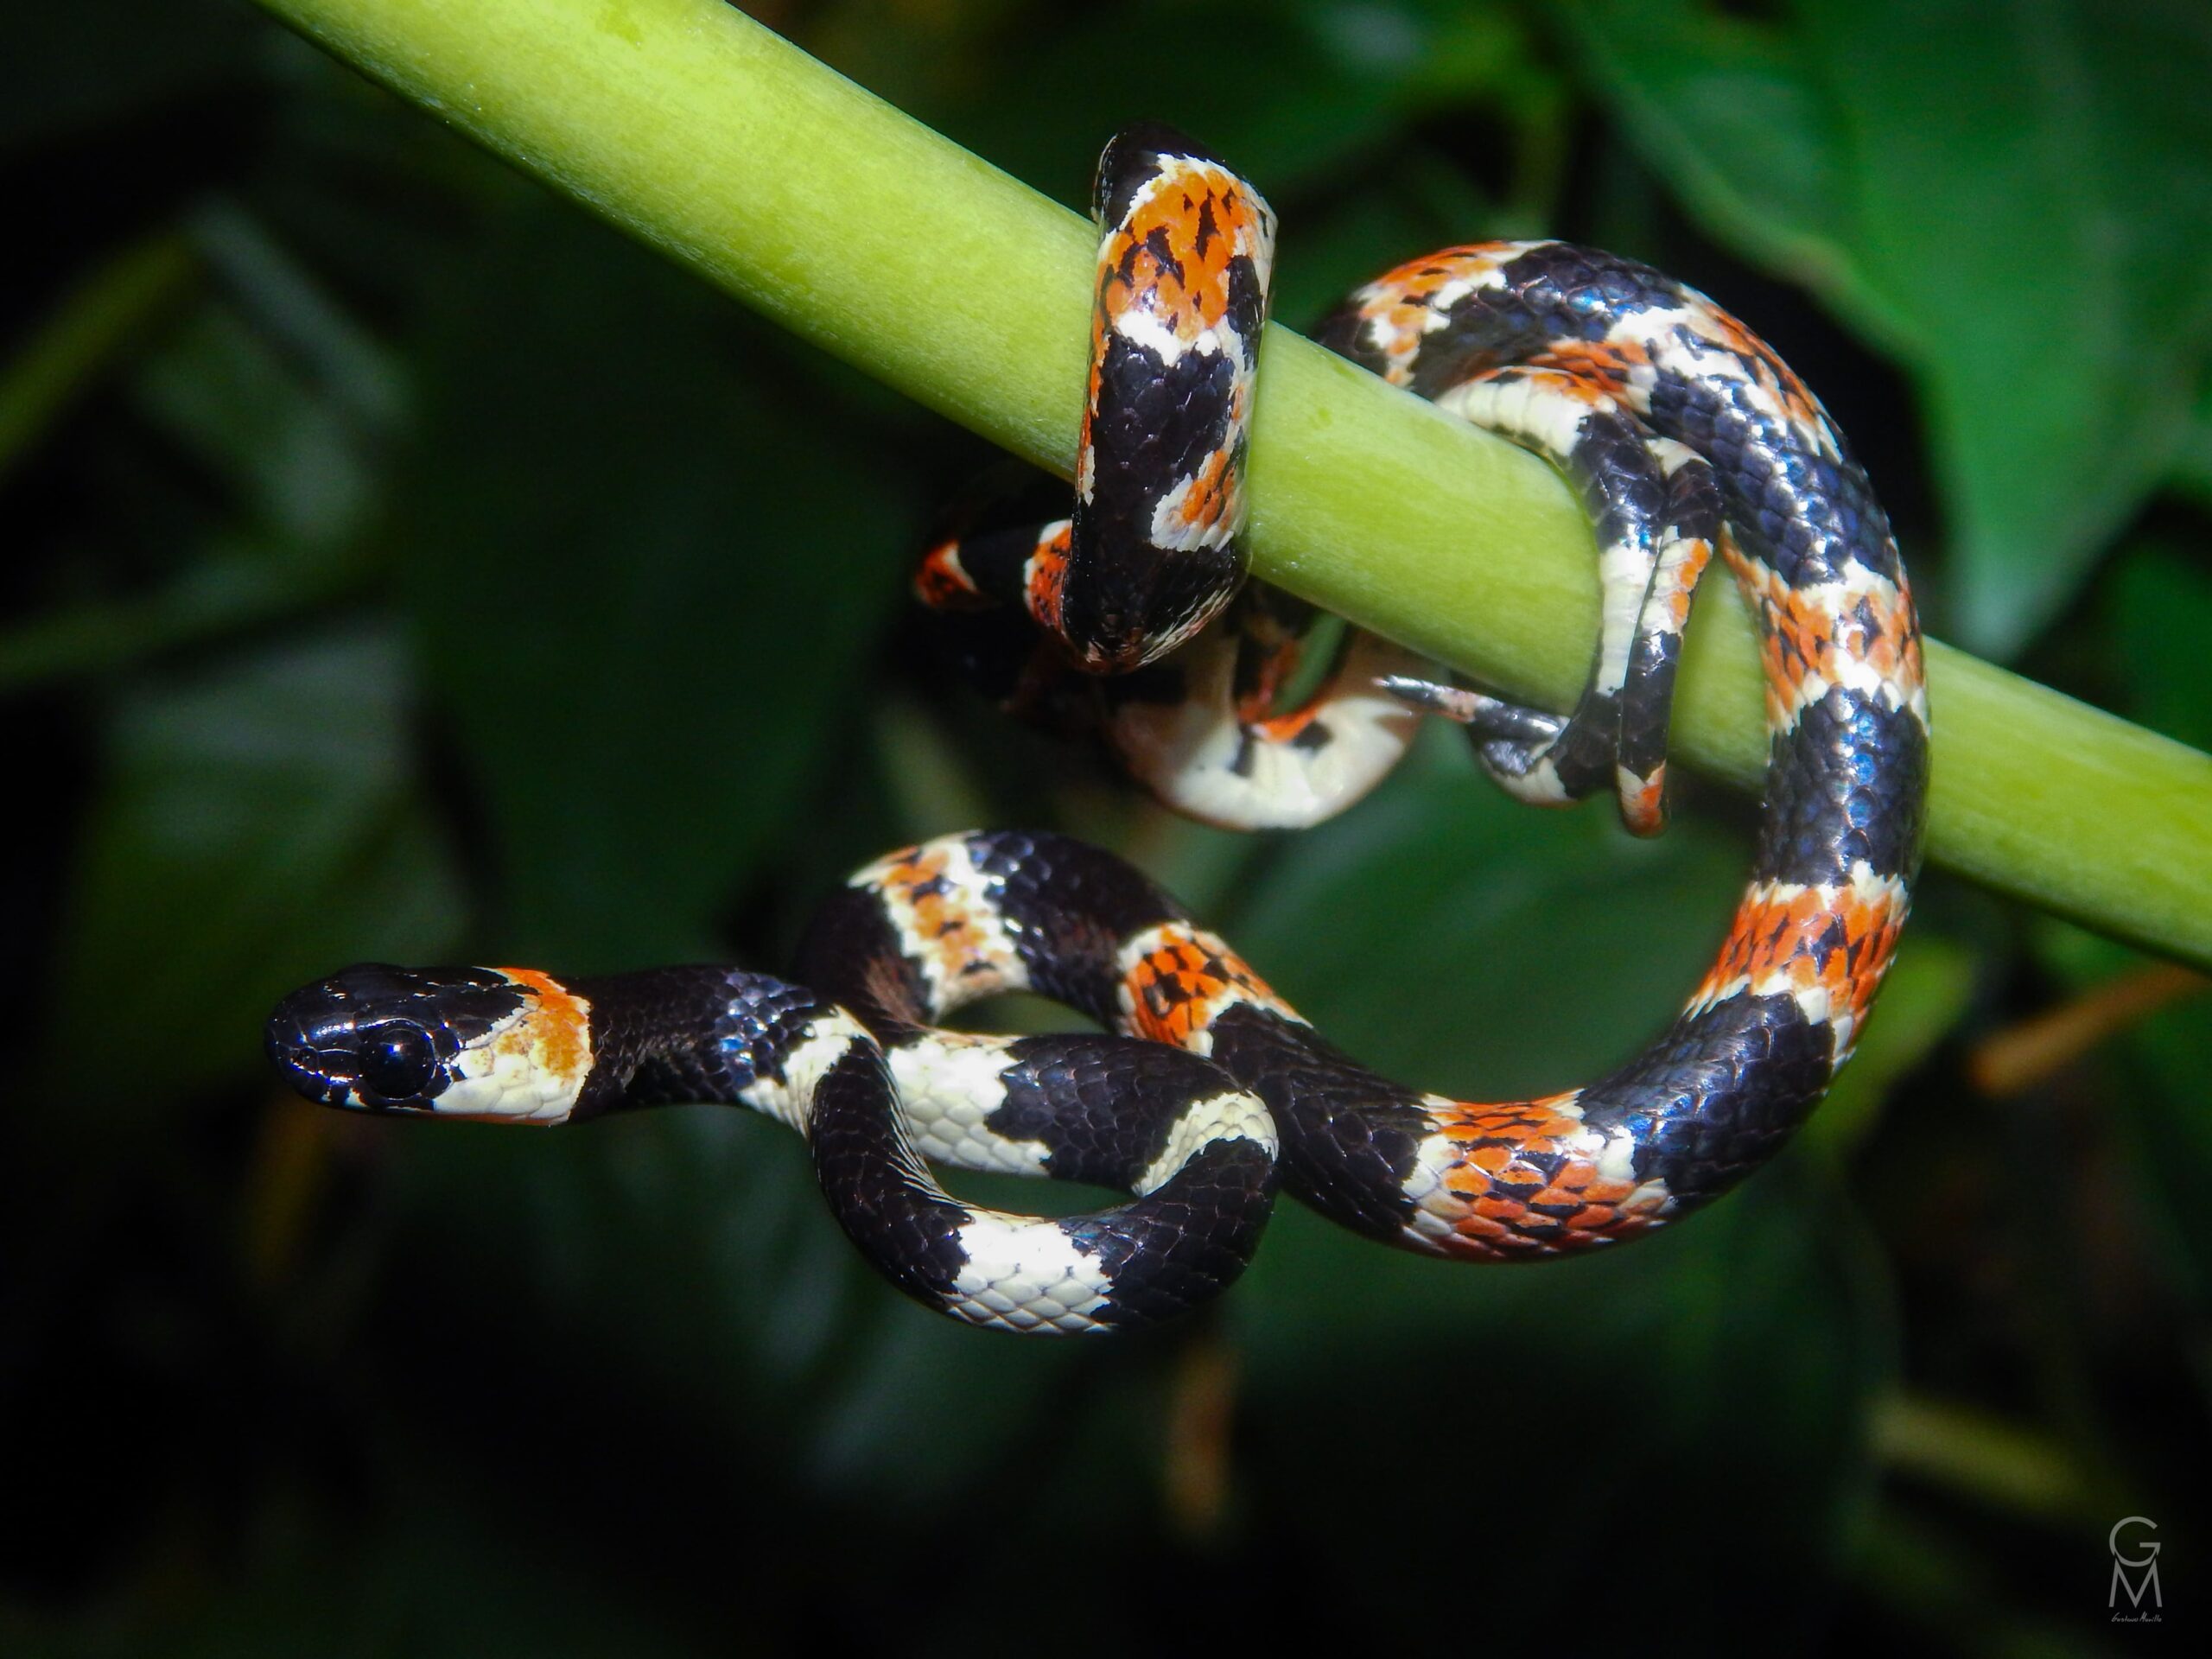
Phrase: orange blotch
(1171, 255)
(943, 919)
(1539, 1123)
(1281, 728)
(1520, 1191)
(1607, 1192)
(1600, 366)
(556, 1035)
(1648, 804)
(1804, 634)
(1573, 387)
(1831, 939)
(1047, 579)
(1683, 579)
(1211, 496)
(1179, 986)
(1478, 1237)
(1396, 307)
(942, 583)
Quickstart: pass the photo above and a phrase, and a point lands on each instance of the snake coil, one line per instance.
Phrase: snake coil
(1683, 436)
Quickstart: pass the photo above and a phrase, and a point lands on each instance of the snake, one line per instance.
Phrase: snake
(1683, 436)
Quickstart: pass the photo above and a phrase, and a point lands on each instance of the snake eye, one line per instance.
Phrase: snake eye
(398, 1061)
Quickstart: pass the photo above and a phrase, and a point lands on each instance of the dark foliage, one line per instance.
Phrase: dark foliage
(405, 567)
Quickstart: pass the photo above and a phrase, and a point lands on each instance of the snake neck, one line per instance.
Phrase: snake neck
(715, 1034)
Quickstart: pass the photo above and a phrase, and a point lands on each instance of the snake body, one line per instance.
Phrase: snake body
(1683, 434)
(517, 1046)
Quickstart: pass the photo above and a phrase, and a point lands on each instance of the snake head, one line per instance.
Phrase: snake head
(379, 1039)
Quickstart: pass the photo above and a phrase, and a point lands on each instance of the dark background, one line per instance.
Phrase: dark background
(404, 566)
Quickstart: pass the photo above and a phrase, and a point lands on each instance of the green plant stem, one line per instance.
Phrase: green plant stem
(704, 133)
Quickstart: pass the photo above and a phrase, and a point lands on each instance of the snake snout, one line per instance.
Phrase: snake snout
(309, 1041)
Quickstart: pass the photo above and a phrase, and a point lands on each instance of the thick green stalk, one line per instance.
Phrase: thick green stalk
(699, 130)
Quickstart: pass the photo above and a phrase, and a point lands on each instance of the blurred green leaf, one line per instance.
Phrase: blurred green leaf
(1923, 998)
(1471, 945)
(644, 579)
(688, 1258)
(2193, 461)
(1986, 213)
(2013, 1470)
(280, 401)
(2161, 615)
(98, 321)
(2169, 1136)
(259, 823)
(1320, 101)
(1463, 942)
(452, 1578)
(222, 390)
(1645, 1403)
(628, 1387)
(1317, 85)
(294, 308)
(1734, 118)
(2161, 618)
(1422, 202)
